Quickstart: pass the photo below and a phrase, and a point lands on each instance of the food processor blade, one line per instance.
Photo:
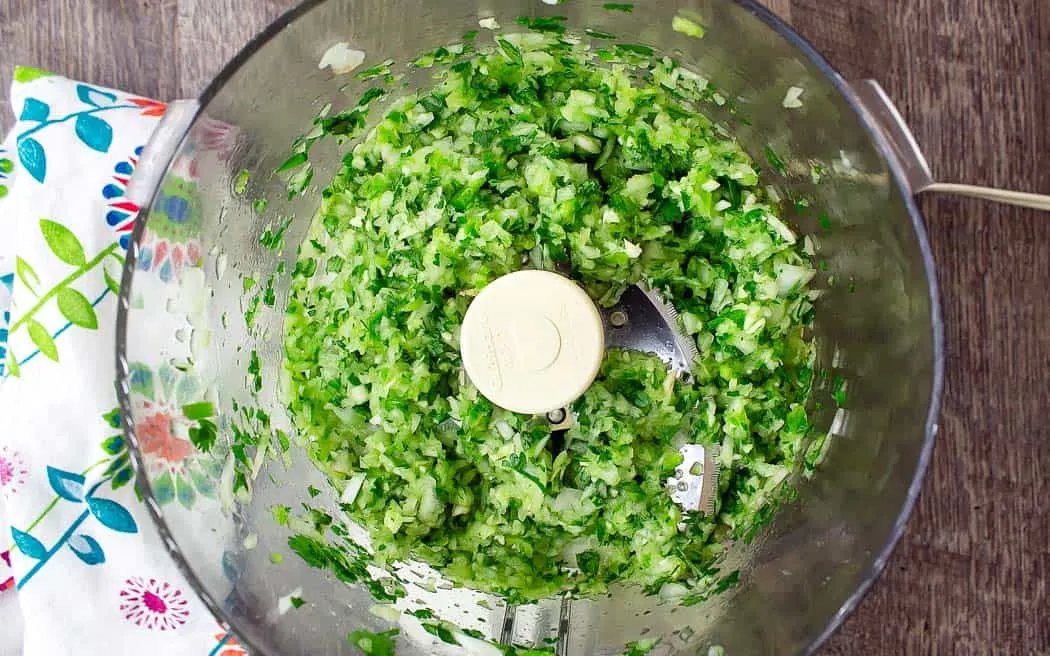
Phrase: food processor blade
(644, 321)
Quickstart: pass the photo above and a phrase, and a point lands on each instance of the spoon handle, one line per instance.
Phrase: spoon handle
(1020, 198)
(877, 104)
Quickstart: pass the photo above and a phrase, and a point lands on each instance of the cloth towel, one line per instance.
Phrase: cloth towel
(82, 571)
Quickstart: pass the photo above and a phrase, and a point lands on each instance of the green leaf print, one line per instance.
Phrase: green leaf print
(42, 339)
(111, 282)
(203, 482)
(112, 418)
(164, 488)
(122, 478)
(77, 310)
(63, 243)
(6, 167)
(113, 445)
(185, 493)
(27, 275)
(25, 74)
(141, 378)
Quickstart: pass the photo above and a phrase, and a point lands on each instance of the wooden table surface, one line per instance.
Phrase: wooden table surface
(972, 77)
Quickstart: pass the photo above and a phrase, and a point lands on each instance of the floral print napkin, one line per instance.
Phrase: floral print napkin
(82, 569)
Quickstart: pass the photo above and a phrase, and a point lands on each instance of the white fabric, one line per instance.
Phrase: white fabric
(93, 576)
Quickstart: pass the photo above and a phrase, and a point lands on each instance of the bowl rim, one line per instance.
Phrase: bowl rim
(783, 30)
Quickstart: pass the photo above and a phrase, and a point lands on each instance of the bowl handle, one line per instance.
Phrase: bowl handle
(160, 149)
(881, 110)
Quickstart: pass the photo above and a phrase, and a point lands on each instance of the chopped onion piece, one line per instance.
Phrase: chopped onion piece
(341, 58)
(793, 98)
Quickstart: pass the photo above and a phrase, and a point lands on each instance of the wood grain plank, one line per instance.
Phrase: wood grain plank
(210, 32)
(125, 44)
(781, 8)
(970, 576)
(851, 34)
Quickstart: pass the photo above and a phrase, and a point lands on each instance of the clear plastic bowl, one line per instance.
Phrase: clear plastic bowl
(182, 334)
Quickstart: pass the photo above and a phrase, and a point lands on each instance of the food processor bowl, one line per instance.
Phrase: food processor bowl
(217, 236)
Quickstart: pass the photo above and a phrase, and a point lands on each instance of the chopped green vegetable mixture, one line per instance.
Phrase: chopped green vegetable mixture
(539, 154)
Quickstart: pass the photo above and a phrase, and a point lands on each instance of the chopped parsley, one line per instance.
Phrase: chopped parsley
(240, 183)
(272, 239)
(280, 514)
(374, 644)
(531, 154)
(293, 162)
(200, 410)
(203, 435)
(688, 27)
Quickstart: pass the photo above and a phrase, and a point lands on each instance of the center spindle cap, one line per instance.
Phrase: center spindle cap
(532, 341)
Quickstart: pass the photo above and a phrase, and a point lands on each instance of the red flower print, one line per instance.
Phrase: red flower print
(6, 582)
(230, 646)
(121, 214)
(150, 107)
(13, 472)
(153, 604)
(157, 440)
(216, 136)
